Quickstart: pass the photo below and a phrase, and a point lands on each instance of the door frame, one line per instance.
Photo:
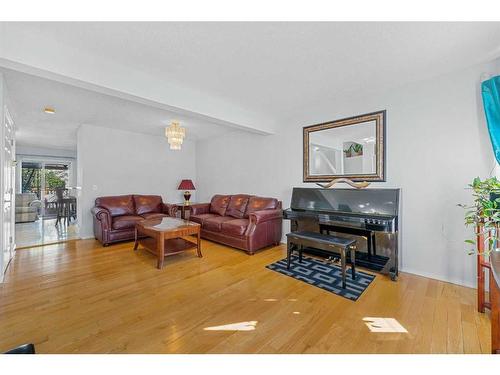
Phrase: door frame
(7, 118)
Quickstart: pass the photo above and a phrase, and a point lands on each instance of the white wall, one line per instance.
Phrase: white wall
(436, 143)
(114, 162)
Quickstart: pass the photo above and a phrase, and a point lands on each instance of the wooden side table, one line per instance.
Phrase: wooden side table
(495, 302)
(483, 264)
(184, 209)
(491, 263)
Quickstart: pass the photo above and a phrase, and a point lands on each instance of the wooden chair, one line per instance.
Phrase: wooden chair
(66, 206)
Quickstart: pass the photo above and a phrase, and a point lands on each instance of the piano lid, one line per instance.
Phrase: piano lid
(366, 201)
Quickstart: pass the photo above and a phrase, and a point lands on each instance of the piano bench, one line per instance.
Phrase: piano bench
(326, 243)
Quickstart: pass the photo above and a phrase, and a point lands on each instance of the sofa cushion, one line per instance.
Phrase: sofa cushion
(237, 206)
(214, 223)
(235, 227)
(147, 203)
(218, 204)
(260, 203)
(153, 215)
(201, 217)
(126, 221)
(117, 205)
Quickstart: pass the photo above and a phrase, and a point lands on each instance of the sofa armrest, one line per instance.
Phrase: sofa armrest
(200, 208)
(102, 215)
(262, 216)
(36, 203)
(170, 209)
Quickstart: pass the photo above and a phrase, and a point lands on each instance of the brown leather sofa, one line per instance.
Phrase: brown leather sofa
(115, 216)
(243, 221)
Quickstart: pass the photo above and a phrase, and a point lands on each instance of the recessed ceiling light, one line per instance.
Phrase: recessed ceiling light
(49, 110)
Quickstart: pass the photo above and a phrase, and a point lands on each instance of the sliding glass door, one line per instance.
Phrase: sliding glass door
(45, 201)
(43, 179)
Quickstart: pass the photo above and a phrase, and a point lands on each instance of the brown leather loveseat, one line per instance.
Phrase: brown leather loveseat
(115, 216)
(243, 221)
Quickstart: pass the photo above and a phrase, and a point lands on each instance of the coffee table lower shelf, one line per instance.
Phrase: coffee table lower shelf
(167, 236)
(172, 246)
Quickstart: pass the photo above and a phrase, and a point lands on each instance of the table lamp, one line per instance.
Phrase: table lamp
(186, 185)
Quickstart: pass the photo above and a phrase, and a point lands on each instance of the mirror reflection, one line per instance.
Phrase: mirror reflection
(352, 148)
(345, 150)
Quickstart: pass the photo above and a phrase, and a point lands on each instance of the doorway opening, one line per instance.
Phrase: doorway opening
(45, 202)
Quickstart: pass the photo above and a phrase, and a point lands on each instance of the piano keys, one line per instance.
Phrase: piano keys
(371, 216)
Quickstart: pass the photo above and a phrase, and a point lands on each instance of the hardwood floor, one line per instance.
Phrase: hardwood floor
(79, 297)
(44, 232)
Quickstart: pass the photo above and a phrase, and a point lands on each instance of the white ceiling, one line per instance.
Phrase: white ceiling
(274, 69)
(75, 106)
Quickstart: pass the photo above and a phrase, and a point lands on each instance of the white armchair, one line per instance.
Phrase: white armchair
(27, 207)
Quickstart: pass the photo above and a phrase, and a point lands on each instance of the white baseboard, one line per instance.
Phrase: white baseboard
(439, 277)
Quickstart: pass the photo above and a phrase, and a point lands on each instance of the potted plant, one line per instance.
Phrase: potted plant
(357, 149)
(484, 213)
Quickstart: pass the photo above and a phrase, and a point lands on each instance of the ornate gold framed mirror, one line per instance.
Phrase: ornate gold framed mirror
(352, 148)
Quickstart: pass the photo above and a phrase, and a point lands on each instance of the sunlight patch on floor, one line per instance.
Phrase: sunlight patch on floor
(382, 325)
(241, 326)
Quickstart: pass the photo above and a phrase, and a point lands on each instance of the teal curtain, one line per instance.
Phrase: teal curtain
(490, 90)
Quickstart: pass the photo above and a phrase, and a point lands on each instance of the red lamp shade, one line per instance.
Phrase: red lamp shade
(186, 185)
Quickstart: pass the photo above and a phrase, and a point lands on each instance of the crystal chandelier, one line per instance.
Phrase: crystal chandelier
(175, 135)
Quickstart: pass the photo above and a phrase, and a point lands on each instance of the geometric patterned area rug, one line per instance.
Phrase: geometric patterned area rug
(324, 275)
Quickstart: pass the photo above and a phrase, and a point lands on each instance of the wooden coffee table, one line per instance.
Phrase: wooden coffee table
(164, 237)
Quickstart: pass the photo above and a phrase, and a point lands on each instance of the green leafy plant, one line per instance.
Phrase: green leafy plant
(357, 148)
(354, 149)
(484, 213)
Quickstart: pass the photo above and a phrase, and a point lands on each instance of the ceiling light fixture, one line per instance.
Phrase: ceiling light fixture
(175, 135)
(49, 110)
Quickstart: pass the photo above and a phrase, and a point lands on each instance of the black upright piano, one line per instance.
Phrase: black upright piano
(371, 216)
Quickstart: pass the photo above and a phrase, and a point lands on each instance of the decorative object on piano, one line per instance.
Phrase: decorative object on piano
(325, 275)
(186, 185)
(352, 148)
(357, 185)
(484, 215)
